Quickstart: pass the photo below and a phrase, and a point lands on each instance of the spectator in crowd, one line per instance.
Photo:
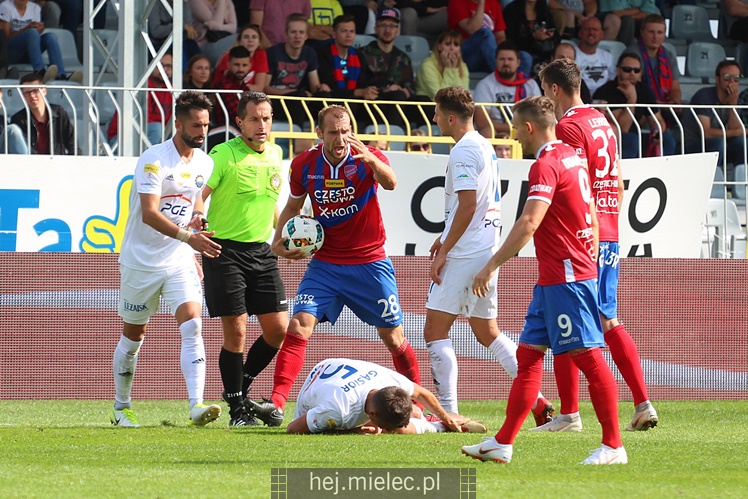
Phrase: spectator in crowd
(241, 7)
(22, 23)
(596, 64)
(529, 24)
(340, 67)
(567, 50)
(422, 147)
(213, 20)
(258, 73)
(713, 119)
(67, 14)
(324, 13)
(364, 12)
(271, 15)
(48, 130)
(233, 80)
(661, 73)
(390, 68)
(161, 25)
(628, 88)
(481, 23)
(506, 85)
(293, 70)
(622, 18)
(444, 67)
(568, 14)
(15, 143)
(198, 74)
(734, 13)
(426, 17)
(158, 110)
(503, 151)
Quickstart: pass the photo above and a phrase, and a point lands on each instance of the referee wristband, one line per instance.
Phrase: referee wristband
(183, 235)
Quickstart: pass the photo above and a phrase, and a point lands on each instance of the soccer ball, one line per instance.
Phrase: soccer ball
(304, 233)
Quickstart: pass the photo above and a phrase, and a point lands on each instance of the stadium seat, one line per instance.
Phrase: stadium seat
(67, 48)
(615, 48)
(109, 38)
(417, 48)
(105, 105)
(729, 237)
(690, 22)
(738, 193)
(64, 96)
(718, 187)
(362, 40)
(702, 59)
(394, 130)
(12, 99)
(435, 132)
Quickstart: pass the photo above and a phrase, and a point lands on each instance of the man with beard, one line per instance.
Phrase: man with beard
(245, 278)
(506, 85)
(164, 229)
(232, 79)
(597, 65)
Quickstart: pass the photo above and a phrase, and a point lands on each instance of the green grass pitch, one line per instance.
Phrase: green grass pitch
(68, 449)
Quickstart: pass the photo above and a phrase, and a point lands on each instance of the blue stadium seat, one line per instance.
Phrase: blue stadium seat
(67, 48)
(690, 22)
(615, 48)
(702, 59)
(435, 132)
(12, 99)
(64, 96)
(362, 40)
(394, 130)
(417, 48)
(109, 38)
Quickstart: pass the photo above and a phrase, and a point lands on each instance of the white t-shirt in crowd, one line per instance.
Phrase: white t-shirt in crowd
(161, 171)
(9, 14)
(473, 165)
(334, 394)
(597, 69)
(490, 90)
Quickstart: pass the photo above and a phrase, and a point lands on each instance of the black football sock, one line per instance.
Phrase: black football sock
(230, 365)
(259, 356)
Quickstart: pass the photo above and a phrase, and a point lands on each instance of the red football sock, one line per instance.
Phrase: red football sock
(406, 362)
(626, 356)
(567, 381)
(287, 367)
(603, 393)
(524, 392)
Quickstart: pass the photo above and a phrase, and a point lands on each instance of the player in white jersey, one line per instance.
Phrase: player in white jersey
(363, 397)
(470, 237)
(157, 257)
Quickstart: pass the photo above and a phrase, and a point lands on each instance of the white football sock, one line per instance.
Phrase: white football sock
(125, 358)
(505, 352)
(192, 359)
(444, 372)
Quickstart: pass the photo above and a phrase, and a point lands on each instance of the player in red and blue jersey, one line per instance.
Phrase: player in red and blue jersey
(589, 132)
(340, 176)
(563, 313)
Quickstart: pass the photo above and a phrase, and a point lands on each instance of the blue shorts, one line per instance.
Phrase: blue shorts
(369, 290)
(607, 280)
(564, 317)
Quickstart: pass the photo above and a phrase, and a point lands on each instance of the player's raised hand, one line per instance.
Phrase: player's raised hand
(482, 282)
(203, 244)
(359, 150)
(279, 249)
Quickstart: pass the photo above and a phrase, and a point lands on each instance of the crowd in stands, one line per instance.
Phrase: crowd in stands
(305, 48)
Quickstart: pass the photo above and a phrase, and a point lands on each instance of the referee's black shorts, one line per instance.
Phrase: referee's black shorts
(244, 279)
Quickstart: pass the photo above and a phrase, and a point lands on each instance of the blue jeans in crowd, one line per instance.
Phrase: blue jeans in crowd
(479, 51)
(16, 142)
(630, 144)
(28, 47)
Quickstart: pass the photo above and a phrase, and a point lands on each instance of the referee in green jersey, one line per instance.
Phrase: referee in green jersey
(245, 278)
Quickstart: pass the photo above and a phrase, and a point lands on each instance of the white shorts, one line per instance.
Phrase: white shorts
(455, 294)
(140, 291)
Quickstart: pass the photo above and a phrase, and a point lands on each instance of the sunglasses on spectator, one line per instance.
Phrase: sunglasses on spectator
(735, 78)
(630, 69)
(419, 147)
